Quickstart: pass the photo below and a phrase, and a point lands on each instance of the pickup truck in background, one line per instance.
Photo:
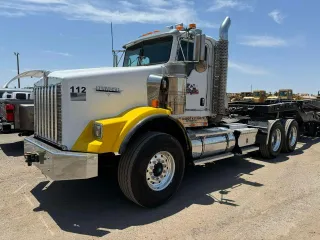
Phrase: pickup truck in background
(16, 105)
(16, 112)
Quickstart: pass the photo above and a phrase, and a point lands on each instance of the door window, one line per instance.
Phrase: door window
(187, 51)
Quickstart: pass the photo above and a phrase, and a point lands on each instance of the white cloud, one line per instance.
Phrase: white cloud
(12, 14)
(127, 4)
(230, 4)
(44, 1)
(117, 11)
(64, 54)
(157, 3)
(263, 41)
(277, 16)
(247, 69)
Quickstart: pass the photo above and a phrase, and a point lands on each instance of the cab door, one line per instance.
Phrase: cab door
(197, 83)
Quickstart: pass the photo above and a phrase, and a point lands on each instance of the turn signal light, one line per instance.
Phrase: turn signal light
(155, 103)
(97, 130)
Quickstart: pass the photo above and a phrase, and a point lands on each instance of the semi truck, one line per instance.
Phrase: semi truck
(164, 109)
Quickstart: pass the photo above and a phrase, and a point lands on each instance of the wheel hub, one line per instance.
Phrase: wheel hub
(276, 140)
(160, 171)
(293, 136)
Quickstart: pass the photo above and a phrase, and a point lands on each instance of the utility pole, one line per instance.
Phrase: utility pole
(18, 67)
(251, 87)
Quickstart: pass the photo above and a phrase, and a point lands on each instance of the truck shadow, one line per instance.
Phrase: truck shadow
(96, 206)
(14, 149)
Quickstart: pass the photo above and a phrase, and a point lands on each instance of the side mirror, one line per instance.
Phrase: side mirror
(199, 47)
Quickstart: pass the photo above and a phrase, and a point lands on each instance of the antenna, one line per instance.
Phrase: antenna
(115, 52)
(111, 36)
(114, 55)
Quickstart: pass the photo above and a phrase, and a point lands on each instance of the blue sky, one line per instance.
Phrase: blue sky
(273, 43)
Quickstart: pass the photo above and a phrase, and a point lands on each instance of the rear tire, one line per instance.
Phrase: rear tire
(291, 136)
(151, 169)
(275, 143)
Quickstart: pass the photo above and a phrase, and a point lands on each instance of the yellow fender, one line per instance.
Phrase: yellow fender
(114, 130)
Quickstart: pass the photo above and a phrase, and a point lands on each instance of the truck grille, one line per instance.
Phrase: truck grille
(47, 111)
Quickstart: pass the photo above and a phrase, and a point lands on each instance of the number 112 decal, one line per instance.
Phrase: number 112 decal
(78, 93)
(78, 89)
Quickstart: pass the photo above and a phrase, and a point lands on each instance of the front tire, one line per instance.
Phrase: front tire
(275, 143)
(151, 169)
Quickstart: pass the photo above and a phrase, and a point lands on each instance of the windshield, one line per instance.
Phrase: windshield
(246, 94)
(256, 94)
(21, 96)
(283, 94)
(149, 52)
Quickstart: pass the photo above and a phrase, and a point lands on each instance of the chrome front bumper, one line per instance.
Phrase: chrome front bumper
(61, 165)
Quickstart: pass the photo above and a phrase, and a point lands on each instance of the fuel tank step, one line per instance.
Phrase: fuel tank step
(212, 158)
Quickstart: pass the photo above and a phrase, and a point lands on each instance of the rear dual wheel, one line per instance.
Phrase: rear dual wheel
(291, 136)
(275, 142)
(281, 139)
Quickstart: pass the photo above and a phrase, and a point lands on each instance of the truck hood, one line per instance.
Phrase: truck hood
(99, 93)
(57, 76)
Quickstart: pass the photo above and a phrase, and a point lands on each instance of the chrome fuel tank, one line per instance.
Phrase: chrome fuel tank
(211, 141)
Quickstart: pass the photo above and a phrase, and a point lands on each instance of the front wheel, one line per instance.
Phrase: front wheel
(275, 143)
(151, 169)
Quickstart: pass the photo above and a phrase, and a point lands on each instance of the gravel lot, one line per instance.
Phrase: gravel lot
(232, 199)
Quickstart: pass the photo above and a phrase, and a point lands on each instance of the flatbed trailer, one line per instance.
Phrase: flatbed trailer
(305, 112)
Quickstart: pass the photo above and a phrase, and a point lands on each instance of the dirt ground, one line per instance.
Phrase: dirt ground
(239, 198)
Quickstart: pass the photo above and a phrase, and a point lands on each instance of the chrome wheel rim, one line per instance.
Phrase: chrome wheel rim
(160, 171)
(276, 140)
(293, 136)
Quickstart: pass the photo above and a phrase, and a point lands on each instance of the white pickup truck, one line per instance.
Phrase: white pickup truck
(16, 105)
(16, 111)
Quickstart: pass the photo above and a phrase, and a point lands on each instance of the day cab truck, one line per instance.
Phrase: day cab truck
(144, 116)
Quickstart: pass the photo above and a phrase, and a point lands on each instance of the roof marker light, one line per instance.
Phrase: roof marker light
(192, 26)
(179, 27)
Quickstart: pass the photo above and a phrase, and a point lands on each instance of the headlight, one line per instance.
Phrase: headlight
(97, 130)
